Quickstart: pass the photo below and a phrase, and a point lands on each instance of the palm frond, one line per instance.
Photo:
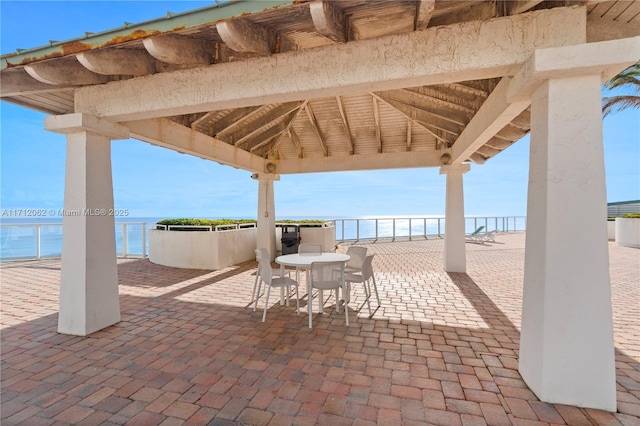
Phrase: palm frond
(619, 103)
(628, 77)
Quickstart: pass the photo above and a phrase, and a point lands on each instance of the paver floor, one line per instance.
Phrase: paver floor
(441, 349)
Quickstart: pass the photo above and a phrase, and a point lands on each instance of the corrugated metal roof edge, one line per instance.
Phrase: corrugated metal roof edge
(168, 23)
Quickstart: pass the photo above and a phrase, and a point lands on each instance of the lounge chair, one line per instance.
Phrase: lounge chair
(476, 236)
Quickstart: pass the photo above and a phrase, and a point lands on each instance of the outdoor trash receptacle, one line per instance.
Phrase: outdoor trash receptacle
(290, 239)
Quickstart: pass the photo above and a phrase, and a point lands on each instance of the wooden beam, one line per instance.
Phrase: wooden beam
(267, 136)
(494, 114)
(166, 133)
(521, 6)
(421, 115)
(388, 160)
(296, 141)
(415, 100)
(295, 116)
(230, 119)
(316, 129)
(244, 36)
(329, 20)
(424, 10)
(251, 115)
(426, 94)
(68, 73)
(487, 49)
(118, 62)
(181, 50)
(345, 123)
(376, 117)
(17, 82)
(196, 123)
(409, 133)
(263, 122)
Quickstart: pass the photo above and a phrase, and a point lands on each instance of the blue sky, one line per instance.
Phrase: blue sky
(154, 182)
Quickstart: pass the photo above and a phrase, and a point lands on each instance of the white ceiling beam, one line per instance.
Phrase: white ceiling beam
(512, 95)
(242, 121)
(316, 128)
(301, 109)
(230, 119)
(180, 50)
(409, 134)
(329, 20)
(388, 160)
(421, 115)
(166, 133)
(263, 122)
(296, 141)
(600, 29)
(266, 136)
(495, 113)
(118, 62)
(376, 117)
(437, 55)
(17, 82)
(521, 6)
(417, 101)
(68, 74)
(345, 123)
(243, 36)
(424, 10)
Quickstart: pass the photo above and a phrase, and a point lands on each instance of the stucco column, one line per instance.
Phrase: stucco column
(455, 259)
(266, 233)
(566, 343)
(89, 282)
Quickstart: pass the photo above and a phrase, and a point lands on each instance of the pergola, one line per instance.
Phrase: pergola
(285, 87)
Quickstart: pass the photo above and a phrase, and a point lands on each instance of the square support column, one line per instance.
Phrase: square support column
(89, 283)
(266, 233)
(566, 345)
(455, 257)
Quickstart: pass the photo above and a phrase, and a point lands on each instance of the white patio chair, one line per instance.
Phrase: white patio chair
(366, 277)
(358, 255)
(327, 276)
(261, 253)
(310, 248)
(476, 236)
(267, 276)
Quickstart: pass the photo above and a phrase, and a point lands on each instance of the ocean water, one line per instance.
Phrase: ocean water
(19, 237)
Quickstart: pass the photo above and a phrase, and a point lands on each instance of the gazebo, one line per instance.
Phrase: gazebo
(287, 87)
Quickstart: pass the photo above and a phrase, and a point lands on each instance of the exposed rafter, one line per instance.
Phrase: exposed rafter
(422, 116)
(251, 115)
(417, 101)
(424, 10)
(232, 119)
(522, 6)
(329, 20)
(296, 141)
(265, 137)
(118, 62)
(277, 142)
(409, 133)
(345, 123)
(263, 122)
(427, 95)
(181, 50)
(316, 128)
(376, 117)
(69, 73)
(244, 36)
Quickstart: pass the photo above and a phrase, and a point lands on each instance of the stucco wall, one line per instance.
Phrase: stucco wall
(201, 249)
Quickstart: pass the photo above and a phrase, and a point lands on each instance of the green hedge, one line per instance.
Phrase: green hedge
(217, 222)
(632, 215)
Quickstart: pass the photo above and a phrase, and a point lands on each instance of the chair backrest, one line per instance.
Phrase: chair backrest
(367, 267)
(310, 248)
(477, 231)
(262, 253)
(265, 269)
(357, 256)
(326, 275)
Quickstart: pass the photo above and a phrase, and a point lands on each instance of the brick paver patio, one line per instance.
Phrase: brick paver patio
(442, 349)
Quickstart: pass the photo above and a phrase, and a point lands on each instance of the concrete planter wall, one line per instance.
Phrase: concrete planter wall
(628, 232)
(325, 235)
(202, 249)
(611, 230)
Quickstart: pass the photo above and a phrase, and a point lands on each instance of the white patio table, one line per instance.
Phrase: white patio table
(304, 261)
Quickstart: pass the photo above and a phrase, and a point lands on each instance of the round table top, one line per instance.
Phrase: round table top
(306, 259)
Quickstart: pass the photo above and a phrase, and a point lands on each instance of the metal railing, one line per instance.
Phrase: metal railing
(622, 208)
(25, 241)
(418, 227)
